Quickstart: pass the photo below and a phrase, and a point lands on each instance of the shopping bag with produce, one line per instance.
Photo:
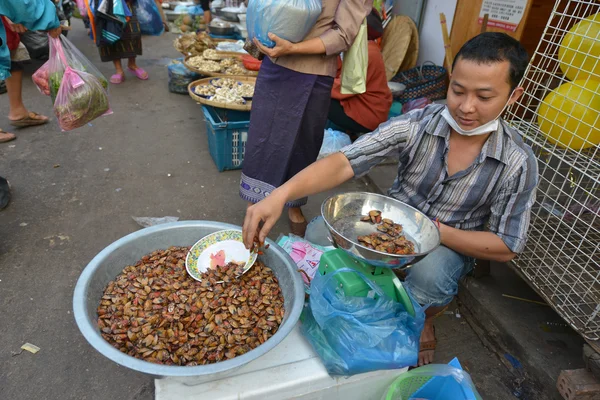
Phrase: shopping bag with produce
(80, 99)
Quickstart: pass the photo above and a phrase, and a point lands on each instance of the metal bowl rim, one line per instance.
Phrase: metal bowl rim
(373, 250)
(94, 338)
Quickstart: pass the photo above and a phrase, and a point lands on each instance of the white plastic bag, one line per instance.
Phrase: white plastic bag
(288, 19)
(333, 141)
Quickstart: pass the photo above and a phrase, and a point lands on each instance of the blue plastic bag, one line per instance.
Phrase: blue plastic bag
(148, 15)
(333, 141)
(353, 335)
(180, 77)
(288, 19)
(434, 382)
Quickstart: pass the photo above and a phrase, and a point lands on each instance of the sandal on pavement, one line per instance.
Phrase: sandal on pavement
(32, 119)
(6, 136)
(139, 73)
(117, 79)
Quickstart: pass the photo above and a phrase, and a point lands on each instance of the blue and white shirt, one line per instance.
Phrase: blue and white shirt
(495, 193)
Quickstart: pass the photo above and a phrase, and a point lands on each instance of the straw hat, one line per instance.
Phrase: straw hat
(400, 45)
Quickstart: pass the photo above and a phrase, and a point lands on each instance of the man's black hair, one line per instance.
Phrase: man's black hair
(490, 47)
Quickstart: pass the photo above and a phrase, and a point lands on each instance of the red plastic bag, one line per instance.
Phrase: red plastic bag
(80, 99)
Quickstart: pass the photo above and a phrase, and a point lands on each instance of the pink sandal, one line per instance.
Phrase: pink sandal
(117, 79)
(139, 73)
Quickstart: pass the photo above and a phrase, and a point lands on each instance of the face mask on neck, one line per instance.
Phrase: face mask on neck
(480, 130)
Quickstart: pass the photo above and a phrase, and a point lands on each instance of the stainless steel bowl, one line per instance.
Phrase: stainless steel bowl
(229, 16)
(221, 28)
(127, 250)
(342, 214)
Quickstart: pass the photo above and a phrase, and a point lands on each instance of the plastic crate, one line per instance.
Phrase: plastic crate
(227, 132)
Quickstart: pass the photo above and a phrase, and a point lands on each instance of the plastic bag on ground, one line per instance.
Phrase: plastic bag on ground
(333, 141)
(180, 77)
(353, 335)
(80, 99)
(149, 18)
(146, 222)
(288, 19)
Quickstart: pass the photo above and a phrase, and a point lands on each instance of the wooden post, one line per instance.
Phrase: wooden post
(484, 23)
(447, 46)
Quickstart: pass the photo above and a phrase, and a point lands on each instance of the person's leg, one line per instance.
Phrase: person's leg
(433, 282)
(137, 71)
(338, 116)
(308, 144)
(119, 75)
(17, 112)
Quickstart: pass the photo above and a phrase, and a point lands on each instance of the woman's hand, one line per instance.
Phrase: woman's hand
(54, 33)
(282, 47)
(266, 211)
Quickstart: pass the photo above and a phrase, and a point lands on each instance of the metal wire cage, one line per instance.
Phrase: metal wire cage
(559, 116)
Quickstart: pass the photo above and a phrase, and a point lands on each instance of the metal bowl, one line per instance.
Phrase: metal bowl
(229, 16)
(221, 28)
(127, 250)
(342, 214)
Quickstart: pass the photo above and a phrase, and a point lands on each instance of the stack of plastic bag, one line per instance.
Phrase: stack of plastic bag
(77, 89)
(288, 19)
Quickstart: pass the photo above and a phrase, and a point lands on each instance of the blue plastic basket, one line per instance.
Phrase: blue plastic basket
(227, 132)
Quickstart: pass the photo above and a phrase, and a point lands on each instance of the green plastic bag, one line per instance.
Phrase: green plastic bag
(355, 64)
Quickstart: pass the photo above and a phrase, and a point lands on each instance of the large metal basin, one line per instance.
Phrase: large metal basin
(126, 251)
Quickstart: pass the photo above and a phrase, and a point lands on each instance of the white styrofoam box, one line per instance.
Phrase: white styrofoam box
(292, 370)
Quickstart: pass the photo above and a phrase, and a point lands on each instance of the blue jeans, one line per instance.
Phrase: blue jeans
(434, 280)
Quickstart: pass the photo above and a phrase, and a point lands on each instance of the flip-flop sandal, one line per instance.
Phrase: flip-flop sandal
(139, 73)
(8, 136)
(4, 193)
(117, 79)
(29, 120)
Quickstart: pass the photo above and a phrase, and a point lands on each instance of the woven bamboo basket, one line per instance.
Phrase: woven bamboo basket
(228, 106)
